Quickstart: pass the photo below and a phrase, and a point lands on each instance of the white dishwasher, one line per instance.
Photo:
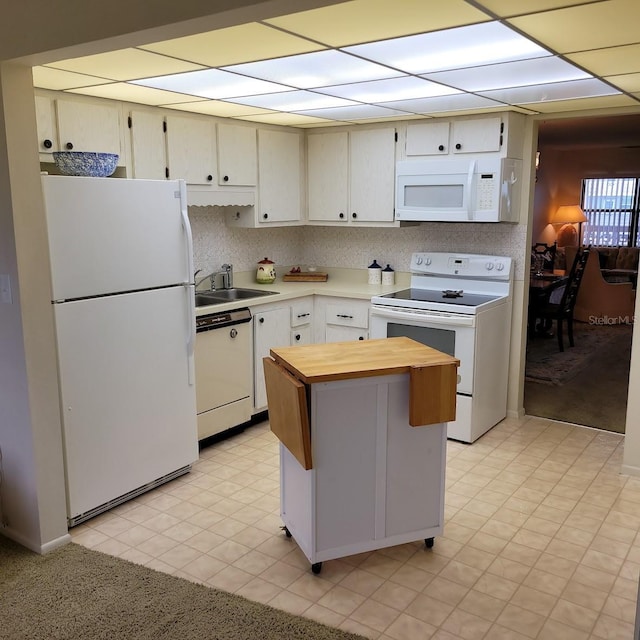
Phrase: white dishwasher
(224, 370)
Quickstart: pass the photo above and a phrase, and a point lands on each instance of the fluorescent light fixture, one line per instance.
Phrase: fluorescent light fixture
(318, 69)
(510, 74)
(356, 112)
(474, 45)
(441, 104)
(211, 83)
(403, 88)
(552, 92)
(294, 101)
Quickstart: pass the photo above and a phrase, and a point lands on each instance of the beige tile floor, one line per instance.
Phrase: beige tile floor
(541, 540)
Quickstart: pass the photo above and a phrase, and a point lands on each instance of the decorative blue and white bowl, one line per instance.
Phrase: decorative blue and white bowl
(85, 163)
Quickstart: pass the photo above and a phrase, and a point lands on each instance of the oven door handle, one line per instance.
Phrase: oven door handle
(423, 317)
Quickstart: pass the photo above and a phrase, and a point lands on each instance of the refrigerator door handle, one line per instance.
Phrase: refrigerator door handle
(182, 195)
(191, 338)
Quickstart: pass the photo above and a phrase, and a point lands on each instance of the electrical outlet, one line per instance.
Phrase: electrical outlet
(5, 288)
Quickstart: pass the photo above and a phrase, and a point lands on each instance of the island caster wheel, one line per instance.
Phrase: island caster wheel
(316, 567)
(428, 542)
(286, 532)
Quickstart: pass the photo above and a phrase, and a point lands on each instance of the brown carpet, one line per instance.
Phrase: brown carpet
(588, 385)
(74, 593)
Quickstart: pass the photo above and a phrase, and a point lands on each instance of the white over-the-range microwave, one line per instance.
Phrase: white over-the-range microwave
(485, 189)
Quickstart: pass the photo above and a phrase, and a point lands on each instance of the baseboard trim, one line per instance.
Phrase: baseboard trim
(630, 470)
(37, 547)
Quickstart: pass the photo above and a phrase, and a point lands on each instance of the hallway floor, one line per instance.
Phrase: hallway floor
(541, 541)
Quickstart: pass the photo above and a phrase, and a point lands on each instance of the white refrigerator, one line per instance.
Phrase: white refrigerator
(122, 282)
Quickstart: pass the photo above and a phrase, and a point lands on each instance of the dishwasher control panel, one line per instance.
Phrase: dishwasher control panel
(222, 319)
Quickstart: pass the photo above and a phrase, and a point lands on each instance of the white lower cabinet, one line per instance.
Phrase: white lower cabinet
(344, 319)
(375, 482)
(271, 328)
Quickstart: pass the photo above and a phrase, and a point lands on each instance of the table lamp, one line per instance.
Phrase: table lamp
(568, 215)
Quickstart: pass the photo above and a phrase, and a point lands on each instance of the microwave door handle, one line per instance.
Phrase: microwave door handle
(472, 169)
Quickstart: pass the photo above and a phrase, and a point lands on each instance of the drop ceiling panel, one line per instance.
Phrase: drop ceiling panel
(287, 119)
(629, 82)
(125, 64)
(508, 8)
(590, 26)
(317, 69)
(583, 104)
(616, 60)
(244, 43)
(220, 108)
(132, 93)
(368, 20)
(47, 78)
(356, 112)
(457, 102)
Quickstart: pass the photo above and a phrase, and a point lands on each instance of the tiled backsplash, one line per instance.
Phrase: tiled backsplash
(355, 248)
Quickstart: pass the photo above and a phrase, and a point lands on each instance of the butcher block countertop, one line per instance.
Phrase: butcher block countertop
(358, 359)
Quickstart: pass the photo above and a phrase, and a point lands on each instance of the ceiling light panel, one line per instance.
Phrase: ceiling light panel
(57, 80)
(356, 112)
(510, 74)
(471, 46)
(125, 64)
(132, 93)
(318, 69)
(581, 104)
(294, 101)
(219, 108)
(212, 83)
(361, 21)
(403, 88)
(553, 91)
(589, 26)
(457, 102)
(244, 43)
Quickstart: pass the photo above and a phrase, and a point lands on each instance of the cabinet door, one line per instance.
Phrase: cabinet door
(148, 145)
(372, 165)
(87, 126)
(476, 136)
(279, 164)
(46, 126)
(336, 333)
(328, 176)
(301, 335)
(190, 149)
(427, 139)
(270, 329)
(237, 155)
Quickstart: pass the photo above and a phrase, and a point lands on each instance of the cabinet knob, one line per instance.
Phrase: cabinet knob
(265, 216)
(354, 215)
(69, 145)
(361, 338)
(297, 336)
(441, 147)
(260, 320)
(341, 215)
(233, 333)
(47, 144)
(209, 177)
(225, 178)
(458, 146)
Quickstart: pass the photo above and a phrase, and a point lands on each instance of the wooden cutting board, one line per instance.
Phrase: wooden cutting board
(306, 276)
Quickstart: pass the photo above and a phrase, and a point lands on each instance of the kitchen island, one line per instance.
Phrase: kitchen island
(362, 427)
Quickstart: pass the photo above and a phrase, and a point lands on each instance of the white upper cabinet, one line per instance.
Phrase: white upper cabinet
(68, 124)
(85, 126)
(351, 176)
(237, 155)
(476, 136)
(428, 138)
(280, 176)
(372, 169)
(191, 149)
(148, 144)
(328, 176)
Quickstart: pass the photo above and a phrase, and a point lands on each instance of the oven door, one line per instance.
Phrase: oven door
(453, 334)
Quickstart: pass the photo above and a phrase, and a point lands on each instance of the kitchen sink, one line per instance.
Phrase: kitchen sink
(219, 296)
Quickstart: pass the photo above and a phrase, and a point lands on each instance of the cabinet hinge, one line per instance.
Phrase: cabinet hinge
(166, 172)
(164, 126)
(129, 122)
(502, 127)
(500, 139)
(396, 136)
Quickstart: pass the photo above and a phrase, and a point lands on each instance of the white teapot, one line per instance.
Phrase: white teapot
(266, 273)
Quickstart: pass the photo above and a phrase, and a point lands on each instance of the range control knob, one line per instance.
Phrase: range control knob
(418, 259)
(427, 261)
(499, 266)
(489, 266)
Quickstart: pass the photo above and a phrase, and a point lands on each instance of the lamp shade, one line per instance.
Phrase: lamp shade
(570, 213)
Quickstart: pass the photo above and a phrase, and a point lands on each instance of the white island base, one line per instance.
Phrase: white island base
(376, 481)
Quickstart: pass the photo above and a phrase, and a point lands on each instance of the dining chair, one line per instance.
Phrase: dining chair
(546, 253)
(562, 310)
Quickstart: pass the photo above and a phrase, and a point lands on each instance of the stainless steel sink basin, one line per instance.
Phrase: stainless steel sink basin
(204, 298)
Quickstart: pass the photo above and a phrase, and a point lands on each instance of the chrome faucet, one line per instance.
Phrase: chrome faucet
(226, 272)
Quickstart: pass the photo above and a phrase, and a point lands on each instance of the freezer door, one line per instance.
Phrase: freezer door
(128, 407)
(108, 235)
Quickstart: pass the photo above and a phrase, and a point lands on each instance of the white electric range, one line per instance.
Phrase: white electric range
(459, 304)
